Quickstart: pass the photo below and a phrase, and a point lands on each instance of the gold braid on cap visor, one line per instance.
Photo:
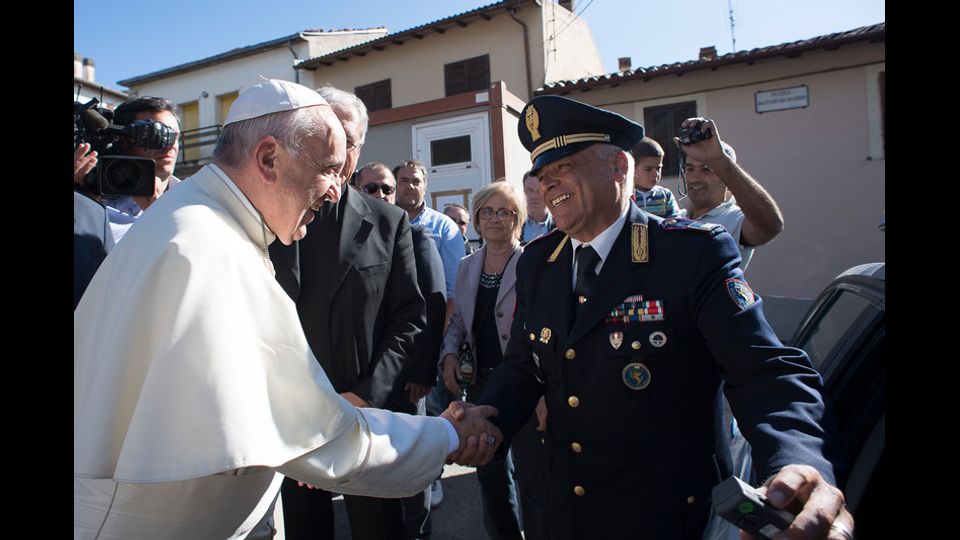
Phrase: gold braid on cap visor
(564, 140)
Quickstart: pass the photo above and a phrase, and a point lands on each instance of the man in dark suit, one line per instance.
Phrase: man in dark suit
(420, 373)
(92, 241)
(354, 280)
(629, 341)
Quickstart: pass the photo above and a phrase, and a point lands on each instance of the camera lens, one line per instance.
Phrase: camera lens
(122, 175)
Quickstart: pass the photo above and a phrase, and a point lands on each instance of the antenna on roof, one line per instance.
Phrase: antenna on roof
(732, 24)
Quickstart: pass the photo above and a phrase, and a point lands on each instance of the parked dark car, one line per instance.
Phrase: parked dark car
(844, 333)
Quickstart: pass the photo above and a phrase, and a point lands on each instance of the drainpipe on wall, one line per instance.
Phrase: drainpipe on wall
(526, 50)
(296, 72)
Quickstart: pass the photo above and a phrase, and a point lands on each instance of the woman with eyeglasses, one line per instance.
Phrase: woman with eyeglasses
(481, 321)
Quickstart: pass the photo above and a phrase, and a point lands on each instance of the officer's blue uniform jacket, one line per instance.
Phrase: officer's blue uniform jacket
(633, 386)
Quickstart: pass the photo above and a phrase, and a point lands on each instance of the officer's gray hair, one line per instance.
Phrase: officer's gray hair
(290, 128)
(341, 99)
(605, 151)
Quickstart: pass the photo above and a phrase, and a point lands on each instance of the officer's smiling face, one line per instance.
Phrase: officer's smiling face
(583, 192)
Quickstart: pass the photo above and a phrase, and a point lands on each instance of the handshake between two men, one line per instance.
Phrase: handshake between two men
(479, 438)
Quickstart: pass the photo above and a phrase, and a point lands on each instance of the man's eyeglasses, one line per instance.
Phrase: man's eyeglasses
(504, 214)
(387, 189)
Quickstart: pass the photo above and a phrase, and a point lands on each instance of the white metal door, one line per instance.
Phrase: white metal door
(456, 153)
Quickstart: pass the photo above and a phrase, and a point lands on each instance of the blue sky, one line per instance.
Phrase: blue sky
(126, 39)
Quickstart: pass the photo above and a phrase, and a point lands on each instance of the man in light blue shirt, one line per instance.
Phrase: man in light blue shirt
(411, 178)
(539, 221)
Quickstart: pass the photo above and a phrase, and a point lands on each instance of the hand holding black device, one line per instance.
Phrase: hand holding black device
(740, 504)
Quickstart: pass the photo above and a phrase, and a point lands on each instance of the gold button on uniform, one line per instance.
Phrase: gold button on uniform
(576, 447)
(533, 337)
(635, 345)
(690, 499)
(573, 401)
(570, 354)
(579, 491)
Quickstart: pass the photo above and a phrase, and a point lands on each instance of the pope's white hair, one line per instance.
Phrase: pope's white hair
(290, 128)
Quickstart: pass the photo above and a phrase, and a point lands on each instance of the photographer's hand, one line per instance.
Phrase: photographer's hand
(83, 162)
(707, 151)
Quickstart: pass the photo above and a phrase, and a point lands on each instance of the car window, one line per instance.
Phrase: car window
(837, 318)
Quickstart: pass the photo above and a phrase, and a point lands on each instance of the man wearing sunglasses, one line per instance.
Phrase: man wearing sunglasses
(376, 179)
(461, 217)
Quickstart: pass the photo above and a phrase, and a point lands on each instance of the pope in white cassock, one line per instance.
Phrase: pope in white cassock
(194, 387)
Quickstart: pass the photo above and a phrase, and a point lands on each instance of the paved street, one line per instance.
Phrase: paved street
(458, 517)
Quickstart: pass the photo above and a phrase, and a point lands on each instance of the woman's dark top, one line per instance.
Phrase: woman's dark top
(486, 340)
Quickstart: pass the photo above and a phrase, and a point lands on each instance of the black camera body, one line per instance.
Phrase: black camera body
(693, 134)
(115, 174)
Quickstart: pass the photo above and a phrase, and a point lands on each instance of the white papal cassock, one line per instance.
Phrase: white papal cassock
(194, 386)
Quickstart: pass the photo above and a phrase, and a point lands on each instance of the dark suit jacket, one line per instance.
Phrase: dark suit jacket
(92, 240)
(422, 368)
(357, 295)
(634, 422)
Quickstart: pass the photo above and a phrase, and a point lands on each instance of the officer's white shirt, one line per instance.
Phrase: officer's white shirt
(602, 243)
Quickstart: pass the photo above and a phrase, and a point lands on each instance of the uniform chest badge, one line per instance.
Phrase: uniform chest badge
(636, 376)
(616, 339)
(545, 335)
(658, 339)
(740, 293)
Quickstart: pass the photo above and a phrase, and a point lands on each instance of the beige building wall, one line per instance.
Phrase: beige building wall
(569, 51)
(823, 164)
(321, 43)
(219, 79)
(236, 75)
(388, 143)
(516, 157)
(415, 69)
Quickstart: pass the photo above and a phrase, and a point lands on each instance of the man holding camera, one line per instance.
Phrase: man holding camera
(720, 191)
(629, 325)
(123, 211)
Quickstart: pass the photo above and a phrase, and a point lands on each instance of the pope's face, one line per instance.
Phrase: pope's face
(581, 192)
(312, 177)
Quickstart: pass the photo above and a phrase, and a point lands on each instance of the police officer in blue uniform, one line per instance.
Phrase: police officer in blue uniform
(628, 324)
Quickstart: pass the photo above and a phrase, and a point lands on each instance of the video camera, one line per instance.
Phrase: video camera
(115, 174)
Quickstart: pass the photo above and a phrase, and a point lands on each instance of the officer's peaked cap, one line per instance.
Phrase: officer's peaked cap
(552, 127)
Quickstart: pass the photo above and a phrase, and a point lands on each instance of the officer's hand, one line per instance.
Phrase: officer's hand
(451, 372)
(709, 150)
(541, 411)
(818, 505)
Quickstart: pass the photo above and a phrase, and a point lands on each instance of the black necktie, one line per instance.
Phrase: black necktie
(587, 260)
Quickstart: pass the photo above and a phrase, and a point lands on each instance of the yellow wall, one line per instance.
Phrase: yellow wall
(191, 120)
